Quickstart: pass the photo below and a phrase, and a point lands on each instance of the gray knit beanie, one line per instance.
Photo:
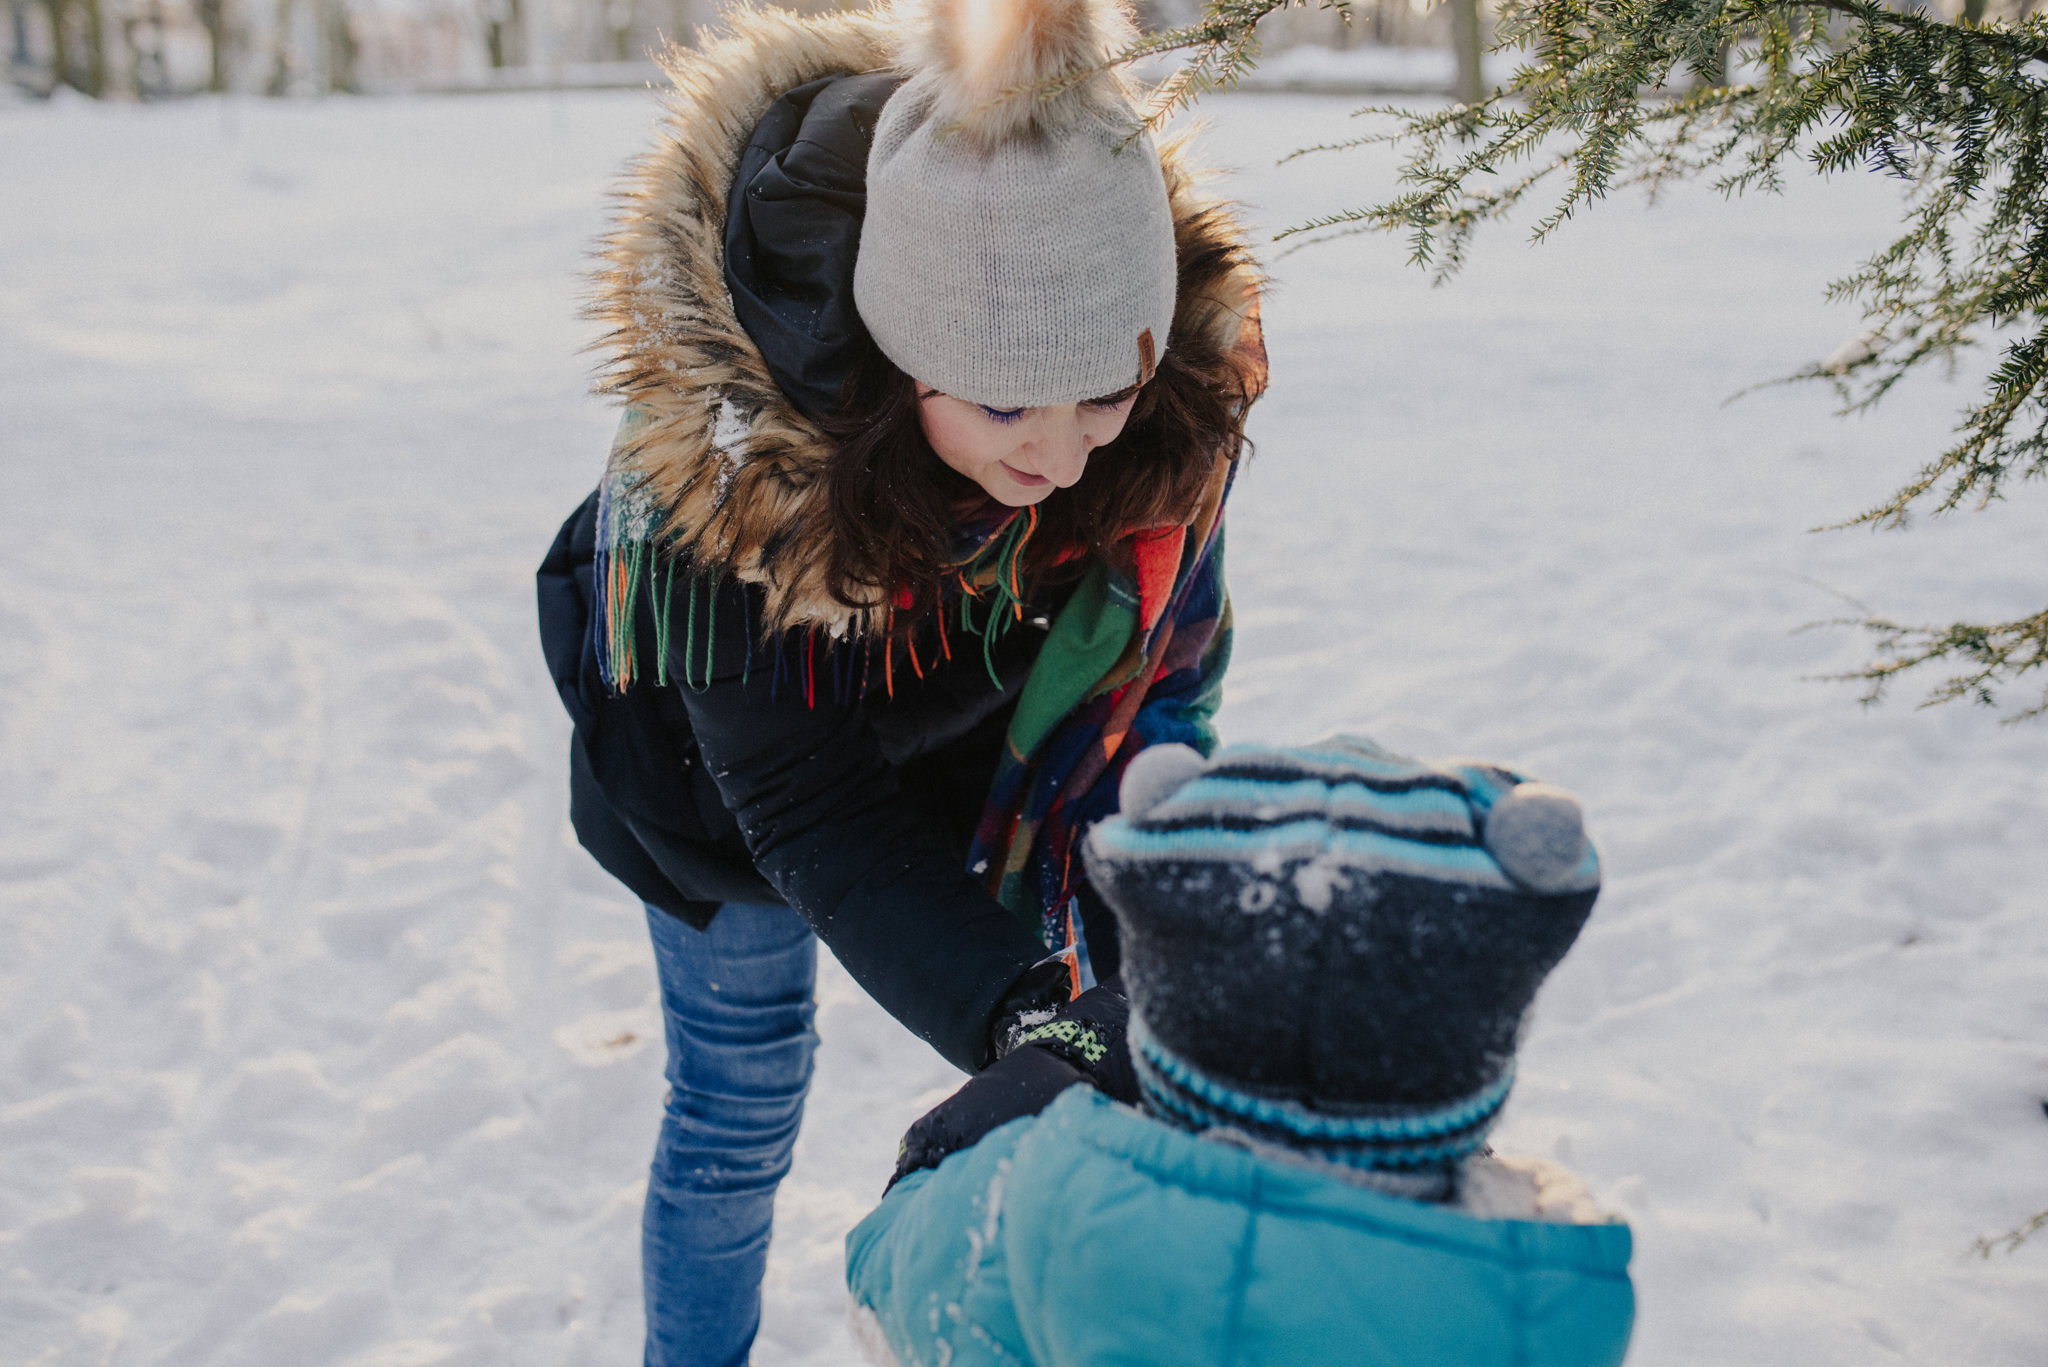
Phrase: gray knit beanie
(1018, 250)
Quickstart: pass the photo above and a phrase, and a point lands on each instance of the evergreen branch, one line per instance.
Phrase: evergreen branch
(1993, 654)
(1912, 21)
(2012, 1239)
(1224, 45)
(1952, 110)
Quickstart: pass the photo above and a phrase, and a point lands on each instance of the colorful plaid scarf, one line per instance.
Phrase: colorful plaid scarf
(1134, 658)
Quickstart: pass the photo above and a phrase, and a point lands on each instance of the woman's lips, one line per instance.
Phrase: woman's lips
(1028, 481)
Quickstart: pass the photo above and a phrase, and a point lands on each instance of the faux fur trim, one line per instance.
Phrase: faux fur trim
(1518, 1187)
(731, 468)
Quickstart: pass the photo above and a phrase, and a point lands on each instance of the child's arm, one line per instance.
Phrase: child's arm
(1082, 1042)
(930, 1267)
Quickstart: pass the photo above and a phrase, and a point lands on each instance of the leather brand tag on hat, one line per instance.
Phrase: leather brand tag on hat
(1146, 357)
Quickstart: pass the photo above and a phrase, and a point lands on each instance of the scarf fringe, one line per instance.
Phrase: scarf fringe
(632, 564)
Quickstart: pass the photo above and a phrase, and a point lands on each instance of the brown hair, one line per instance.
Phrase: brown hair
(895, 505)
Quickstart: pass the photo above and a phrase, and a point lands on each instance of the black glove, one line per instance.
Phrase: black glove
(1089, 1034)
(1022, 1083)
(1045, 990)
(1082, 1042)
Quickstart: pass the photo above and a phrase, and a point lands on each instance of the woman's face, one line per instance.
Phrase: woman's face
(1020, 455)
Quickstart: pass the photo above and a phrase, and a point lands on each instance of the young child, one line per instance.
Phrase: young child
(1329, 952)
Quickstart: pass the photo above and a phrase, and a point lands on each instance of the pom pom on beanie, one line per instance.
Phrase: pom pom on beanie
(988, 64)
(1018, 246)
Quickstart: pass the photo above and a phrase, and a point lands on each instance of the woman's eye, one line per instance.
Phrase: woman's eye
(1117, 400)
(1002, 414)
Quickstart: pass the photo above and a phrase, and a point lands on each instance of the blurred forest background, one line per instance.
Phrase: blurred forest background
(156, 49)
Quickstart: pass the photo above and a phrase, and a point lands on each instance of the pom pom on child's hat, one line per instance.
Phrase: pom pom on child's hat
(1018, 247)
(1332, 947)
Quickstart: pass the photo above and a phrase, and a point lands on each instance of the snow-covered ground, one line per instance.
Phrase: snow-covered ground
(1368, 69)
(321, 1043)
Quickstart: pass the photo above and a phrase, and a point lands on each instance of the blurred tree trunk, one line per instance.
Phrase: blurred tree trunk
(338, 45)
(505, 33)
(619, 20)
(1466, 47)
(281, 51)
(132, 55)
(213, 17)
(60, 42)
(17, 14)
(95, 48)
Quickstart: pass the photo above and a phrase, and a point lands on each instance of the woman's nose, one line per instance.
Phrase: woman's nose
(1064, 454)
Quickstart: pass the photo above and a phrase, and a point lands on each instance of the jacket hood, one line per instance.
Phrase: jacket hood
(726, 468)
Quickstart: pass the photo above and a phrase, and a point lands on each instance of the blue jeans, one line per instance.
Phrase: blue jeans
(736, 1002)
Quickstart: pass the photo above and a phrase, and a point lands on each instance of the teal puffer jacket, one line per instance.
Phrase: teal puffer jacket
(1093, 1236)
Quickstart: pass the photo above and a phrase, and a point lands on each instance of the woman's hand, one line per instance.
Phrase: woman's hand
(1081, 1042)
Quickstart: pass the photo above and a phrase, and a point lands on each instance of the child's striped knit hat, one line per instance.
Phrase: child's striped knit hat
(1333, 947)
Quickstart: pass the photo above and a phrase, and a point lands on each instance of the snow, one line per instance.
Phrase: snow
(1370, 69)
(321, 1043)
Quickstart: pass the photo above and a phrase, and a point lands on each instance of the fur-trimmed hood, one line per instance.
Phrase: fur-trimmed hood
(726, 468)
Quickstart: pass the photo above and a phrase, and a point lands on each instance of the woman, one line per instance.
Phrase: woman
(910, 538)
